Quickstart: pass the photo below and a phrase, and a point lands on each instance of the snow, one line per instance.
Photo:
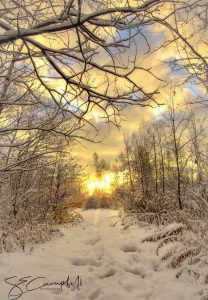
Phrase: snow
(113, 263)
(169, 230)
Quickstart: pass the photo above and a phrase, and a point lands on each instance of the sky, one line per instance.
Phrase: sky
(112, 138)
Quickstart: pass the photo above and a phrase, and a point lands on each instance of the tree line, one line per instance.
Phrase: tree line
(165, 164)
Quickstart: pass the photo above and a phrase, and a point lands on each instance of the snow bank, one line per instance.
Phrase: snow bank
(112, 264)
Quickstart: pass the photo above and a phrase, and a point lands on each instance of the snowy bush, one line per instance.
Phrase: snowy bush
(40, 199)
(63, 214)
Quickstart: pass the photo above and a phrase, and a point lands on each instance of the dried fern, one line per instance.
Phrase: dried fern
(189, 271)
(178, 259)
(167, 240)
(170, 230)
(169, 252)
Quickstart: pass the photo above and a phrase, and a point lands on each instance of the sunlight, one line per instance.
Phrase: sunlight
(159, 110)
(104, 184)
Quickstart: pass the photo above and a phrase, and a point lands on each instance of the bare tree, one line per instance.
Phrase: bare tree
(178, 121)
(84, 54)
(160, 133)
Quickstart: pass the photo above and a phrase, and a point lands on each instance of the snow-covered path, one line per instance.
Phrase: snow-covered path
(113, 264)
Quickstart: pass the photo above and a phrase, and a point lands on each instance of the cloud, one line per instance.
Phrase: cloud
(112, 143)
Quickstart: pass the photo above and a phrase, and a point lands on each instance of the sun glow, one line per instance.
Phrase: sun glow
(104, 184)
(159, 110)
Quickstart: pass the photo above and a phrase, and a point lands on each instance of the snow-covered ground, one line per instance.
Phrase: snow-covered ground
(112, 263)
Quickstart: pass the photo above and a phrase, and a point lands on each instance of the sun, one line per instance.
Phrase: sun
(104, 183)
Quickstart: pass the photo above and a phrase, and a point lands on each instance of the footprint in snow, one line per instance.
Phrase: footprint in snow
(107, 273)
(136, 271)
(129, 248)
(85, 261)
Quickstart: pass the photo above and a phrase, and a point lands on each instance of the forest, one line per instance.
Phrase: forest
(71, 69)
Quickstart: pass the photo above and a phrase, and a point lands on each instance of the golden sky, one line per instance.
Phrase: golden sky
(112, 142)
(112, 138)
